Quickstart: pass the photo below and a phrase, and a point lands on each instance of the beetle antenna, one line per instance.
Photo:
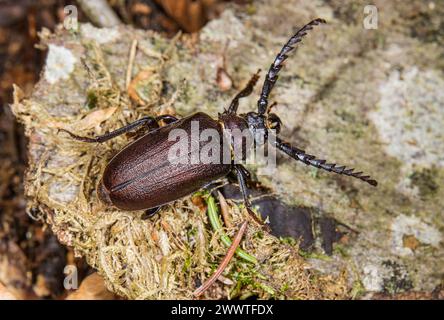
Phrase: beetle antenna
(244, 93)
(311, 160)
(276, 66)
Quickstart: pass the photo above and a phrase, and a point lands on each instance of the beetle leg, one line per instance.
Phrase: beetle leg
(148, 121)
(311, 160)
(245, 172)
(276, 66)
(167, 118)
(244, 93)
(242, 176)
(149, 213)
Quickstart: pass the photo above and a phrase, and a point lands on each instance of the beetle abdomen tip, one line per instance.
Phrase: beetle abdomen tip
(103, 194)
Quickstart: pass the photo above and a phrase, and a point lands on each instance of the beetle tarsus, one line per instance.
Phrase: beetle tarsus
(276, 66)
(311, 160)
(149, 213)
(242, 176)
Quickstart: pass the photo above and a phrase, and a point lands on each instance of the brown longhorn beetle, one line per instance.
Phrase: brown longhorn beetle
(141, 176)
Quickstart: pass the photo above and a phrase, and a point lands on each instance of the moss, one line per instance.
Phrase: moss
(314, 173)
(425, 180)
(251, 9)
(314, 255)
(91, 100)
(357, 290)
(288, 240)
(340, 250)
(349, 12)
(398, 281)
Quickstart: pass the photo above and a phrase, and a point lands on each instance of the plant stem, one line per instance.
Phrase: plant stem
(217, 226)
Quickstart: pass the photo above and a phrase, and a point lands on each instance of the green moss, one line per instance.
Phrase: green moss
(425, 181)
(259, 235)
(187, 264)
(357, 290)
(91, 100)
(288, 240)
(340, 250)
(314, 255)
(314, 173)
(251, 9)
(398, 281)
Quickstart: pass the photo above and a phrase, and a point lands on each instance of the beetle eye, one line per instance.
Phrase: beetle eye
(274, 122)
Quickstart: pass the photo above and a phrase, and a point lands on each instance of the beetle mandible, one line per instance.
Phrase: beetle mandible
(141, 176)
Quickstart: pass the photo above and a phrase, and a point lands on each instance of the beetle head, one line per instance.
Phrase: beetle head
(260, 125)
(257, 125)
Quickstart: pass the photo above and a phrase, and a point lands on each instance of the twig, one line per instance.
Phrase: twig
(100, 13)
(224, 209)
(224, 262)
(129, 70)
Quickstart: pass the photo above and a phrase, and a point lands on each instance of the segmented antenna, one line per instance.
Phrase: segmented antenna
(311, 160)
(276, 66)
(244, 93)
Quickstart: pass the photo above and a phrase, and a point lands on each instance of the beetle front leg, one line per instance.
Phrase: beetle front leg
(245, 173)
(242, 176)
(150, 212)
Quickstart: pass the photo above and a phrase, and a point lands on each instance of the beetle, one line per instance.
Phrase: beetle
(141, 176)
